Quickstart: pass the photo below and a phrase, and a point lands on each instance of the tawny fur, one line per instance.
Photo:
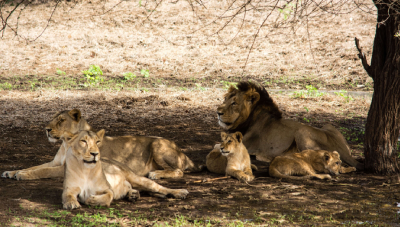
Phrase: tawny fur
(231, 158)
(308, 164)
(154, 157)
(250, 110)
(92, 180)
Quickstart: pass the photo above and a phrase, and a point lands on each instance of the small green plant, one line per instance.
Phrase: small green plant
(93, 75)
(145, 73)
(129, 76)
(306, 120)
(343, 94)
(287, 10)
(306, 109)
(228, 84)
(6, 86)
(60, 72)
(33, 85)
(311, 92)
(199, 87)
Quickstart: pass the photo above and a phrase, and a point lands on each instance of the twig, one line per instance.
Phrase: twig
(209, 180)
(361, 56)
(48, 22)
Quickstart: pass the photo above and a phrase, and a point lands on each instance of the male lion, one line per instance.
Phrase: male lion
(250, 110)
(154, 157)
(307, 164)
(231, 158)
(97, 181)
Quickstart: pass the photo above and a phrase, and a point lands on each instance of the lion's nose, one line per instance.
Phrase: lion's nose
(94, 154)
(48, 129)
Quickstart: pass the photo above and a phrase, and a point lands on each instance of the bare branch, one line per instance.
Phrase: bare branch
(361, 56)
(48, 22)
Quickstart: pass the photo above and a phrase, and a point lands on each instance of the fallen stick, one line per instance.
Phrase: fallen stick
(209, 180)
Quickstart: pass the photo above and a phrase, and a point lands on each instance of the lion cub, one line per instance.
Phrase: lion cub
(308, 164)
(231, 158)
(95, 181)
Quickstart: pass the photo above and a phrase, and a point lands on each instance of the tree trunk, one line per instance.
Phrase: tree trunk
(383, 122)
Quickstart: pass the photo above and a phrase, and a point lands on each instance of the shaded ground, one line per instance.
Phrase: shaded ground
(354, 199)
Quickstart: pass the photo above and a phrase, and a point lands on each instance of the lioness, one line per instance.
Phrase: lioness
(231, 158)
(307, 164)
(97, 181)
(154, 157)
(250, 110)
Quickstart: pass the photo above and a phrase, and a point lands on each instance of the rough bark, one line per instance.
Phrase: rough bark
(383, 122)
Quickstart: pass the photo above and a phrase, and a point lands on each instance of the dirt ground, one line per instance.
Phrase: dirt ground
(189, 71)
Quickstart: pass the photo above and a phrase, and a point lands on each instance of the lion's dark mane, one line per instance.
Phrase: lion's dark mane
(265, 101)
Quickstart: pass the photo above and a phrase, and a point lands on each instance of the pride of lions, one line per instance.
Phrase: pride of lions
(98, 168)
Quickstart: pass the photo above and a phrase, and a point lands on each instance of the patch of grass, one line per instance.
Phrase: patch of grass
(145, 73)
(93, 75)
(227, 84)
(6, 86)
(129, 76)
(310, 92)
(60, 72)
(343, 94)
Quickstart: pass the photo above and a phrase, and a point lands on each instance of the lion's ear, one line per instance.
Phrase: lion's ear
(327, 156)
(101, 133)
(253, 97)
(223, 135)
(239, 136)
(75, 114)
(231, 89)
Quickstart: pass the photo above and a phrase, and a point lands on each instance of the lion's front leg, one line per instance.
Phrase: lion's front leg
(145, 184)
(347, 169)
(47, 172)
(11, 174)
(69, 198)
(41, 171)
(103, 198)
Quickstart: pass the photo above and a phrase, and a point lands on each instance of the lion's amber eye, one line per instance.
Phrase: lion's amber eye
(234, 103)
(337, 163)
(83, 141)
(229, 141)
(98, 142)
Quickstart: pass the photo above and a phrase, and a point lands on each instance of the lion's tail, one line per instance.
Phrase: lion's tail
(254, 167)
(190, 166)
(342, 147)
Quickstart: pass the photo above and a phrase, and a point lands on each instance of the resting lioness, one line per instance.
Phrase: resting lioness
(231, 158)
(154, 157)
(307, 164)
(250, 110)
(97, 181)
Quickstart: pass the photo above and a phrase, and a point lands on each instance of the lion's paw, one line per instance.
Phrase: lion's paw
(153, 176)
(180, 193)
(133, 195)
(70, 205)
(23, 175)
(246, 178)
(8, 174)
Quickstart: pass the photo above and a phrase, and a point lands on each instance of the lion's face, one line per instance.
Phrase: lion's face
(64, 121)
(230, 142)
(236, 108)
(85, 146)
(332, 162)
